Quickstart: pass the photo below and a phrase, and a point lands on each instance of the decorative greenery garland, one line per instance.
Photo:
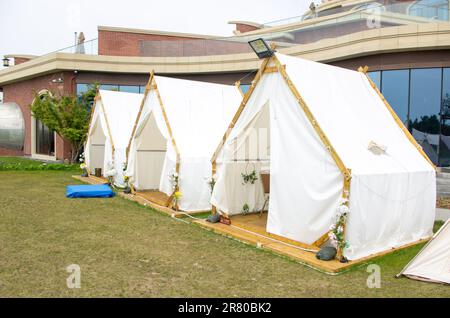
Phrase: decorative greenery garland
(337, 229)
(249, 178)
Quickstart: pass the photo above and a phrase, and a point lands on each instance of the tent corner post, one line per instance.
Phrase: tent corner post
(363, 69)
(238, 86)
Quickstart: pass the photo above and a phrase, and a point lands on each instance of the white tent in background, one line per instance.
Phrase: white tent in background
(432, 264)
(178, 128)
(332, 146)
(112, 120)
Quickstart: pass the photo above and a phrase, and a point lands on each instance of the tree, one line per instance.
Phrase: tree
(68, 116)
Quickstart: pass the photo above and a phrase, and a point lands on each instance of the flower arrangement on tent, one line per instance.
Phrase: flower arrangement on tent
(174, 179)
(83, 167)
(176, 198)
(336, 234)
(212, 182)
(127, 188)
(250, 177)
(245, 209)
(110, 172)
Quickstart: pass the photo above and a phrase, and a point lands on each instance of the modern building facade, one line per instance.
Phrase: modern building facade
(406, 45)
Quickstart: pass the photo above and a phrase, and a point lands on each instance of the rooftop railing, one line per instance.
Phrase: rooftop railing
(292, 31)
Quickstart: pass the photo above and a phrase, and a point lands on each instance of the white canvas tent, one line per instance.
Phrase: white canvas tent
(176, 132)
(319, 121)
(433, 261)
(112, 120)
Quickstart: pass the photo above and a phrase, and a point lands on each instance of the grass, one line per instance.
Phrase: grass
(25, 164)
(128, 250)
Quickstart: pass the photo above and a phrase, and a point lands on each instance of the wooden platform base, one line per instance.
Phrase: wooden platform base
(251, 230)
(91, 179)
(153, 199)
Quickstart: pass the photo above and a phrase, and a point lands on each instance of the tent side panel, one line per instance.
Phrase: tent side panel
(306, 184)
(389, 211)
(433, 262)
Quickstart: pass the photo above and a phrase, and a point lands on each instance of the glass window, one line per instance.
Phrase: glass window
(431, 9)
(245, 88)
(45, 140)
(376, 78)
(444, 148)
(425, 107)
(82, 88)
(108, 87)
(129, 88)
(395, 88)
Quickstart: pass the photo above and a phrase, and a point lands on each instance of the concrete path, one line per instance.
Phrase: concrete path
(442, 214)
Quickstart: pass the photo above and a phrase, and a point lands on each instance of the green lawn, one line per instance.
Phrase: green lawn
(128, 250)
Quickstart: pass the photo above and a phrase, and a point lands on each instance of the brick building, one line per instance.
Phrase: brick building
(405, 43)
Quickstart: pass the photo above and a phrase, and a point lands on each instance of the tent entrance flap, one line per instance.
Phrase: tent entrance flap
(246, 154)
(149, 164)
(97, 147)
(150, 155)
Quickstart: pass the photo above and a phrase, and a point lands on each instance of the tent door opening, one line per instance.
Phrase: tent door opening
(97, 148)
(150, 155)
(149, 167)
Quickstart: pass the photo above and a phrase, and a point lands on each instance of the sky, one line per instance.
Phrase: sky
(42, 26)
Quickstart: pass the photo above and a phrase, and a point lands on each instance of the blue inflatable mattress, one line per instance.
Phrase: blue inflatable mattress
(89, 191)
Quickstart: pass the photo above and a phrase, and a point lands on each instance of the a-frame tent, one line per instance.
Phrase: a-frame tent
(432, 264)
(112, 119)
(178, 127)
(342, 165)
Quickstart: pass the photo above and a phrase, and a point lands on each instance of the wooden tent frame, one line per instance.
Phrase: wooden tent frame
(279, 68)
(152, 85)
(98, 98)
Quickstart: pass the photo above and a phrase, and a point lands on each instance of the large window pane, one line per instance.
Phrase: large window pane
(431, 9)
(82, 88)
(376, 78)
(129, 88)
(444, 149)
(395, 88)
(425, 108)
(108, 87)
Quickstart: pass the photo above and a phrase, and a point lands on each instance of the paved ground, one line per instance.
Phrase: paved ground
(442, 214)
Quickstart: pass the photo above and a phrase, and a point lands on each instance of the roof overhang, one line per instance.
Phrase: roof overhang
(414, 37)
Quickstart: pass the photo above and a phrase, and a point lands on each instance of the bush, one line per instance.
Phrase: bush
(21, 164)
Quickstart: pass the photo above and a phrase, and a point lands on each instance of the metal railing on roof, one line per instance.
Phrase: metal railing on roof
(291, 31)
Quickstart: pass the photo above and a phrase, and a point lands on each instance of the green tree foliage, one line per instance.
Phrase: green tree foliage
(68, 116)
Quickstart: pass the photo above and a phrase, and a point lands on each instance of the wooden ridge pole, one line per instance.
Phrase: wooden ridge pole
(138, 117)
(172, 138)
(238, 86)
(94, 105)
(396, 118)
